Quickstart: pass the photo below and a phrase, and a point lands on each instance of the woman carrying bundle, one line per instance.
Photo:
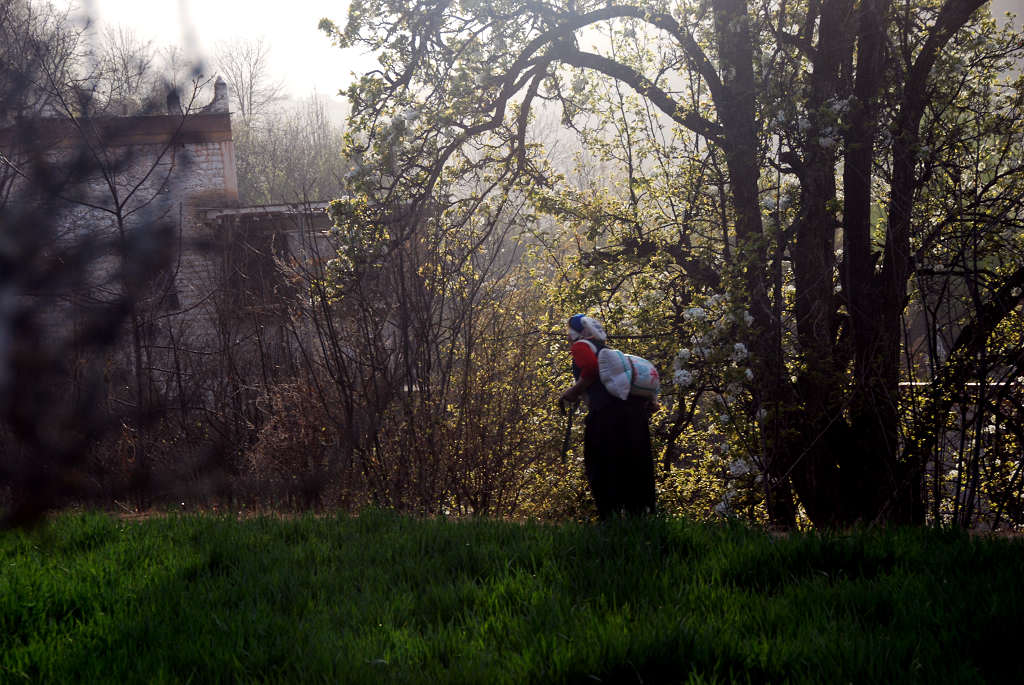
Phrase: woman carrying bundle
(616, 439)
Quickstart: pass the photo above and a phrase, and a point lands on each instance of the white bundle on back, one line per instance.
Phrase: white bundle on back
(616, 373)
(626, 374)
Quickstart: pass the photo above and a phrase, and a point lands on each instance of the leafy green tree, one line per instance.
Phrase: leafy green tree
(803, 125)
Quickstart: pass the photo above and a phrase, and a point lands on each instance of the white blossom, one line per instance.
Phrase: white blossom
(838, 106)
(694, 314)
(683, 378)
(739, 352)
(740, 467)
(747, 318)
(748, 374)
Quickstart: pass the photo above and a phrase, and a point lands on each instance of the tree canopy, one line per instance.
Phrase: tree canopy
(843, 175)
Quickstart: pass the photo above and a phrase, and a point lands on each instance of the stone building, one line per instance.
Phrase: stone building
(172, 170)
(168, 181)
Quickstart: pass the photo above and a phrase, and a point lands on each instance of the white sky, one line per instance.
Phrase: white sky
(300, 53)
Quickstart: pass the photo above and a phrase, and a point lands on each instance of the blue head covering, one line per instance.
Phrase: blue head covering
(582, 327)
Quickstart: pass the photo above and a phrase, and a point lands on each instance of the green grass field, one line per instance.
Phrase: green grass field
(384, 598)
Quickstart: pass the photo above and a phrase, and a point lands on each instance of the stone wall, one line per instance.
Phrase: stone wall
(139, 184)
(210, 311)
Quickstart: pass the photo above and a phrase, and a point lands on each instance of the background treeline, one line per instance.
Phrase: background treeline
(410, 356)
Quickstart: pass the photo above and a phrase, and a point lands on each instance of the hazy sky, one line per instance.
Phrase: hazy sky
(300, 53)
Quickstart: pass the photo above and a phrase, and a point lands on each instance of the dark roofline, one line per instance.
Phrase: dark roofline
(122, 131)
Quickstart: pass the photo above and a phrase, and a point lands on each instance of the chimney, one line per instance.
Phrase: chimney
(173, 101)
(220, 97)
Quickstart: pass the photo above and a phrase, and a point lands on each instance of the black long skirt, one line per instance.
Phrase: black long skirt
(617, 458)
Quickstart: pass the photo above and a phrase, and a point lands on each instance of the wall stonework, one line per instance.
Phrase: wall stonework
(141, 172)
(223, 290)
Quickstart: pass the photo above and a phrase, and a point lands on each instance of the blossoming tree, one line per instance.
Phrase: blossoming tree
(793, 154)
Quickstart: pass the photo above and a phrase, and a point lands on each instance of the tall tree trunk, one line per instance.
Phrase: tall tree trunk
(878, 413)
(820, 422)
(850, 470)
(736, 109)
(866, 464)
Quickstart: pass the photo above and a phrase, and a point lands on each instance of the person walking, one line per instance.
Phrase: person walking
(616, 439)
